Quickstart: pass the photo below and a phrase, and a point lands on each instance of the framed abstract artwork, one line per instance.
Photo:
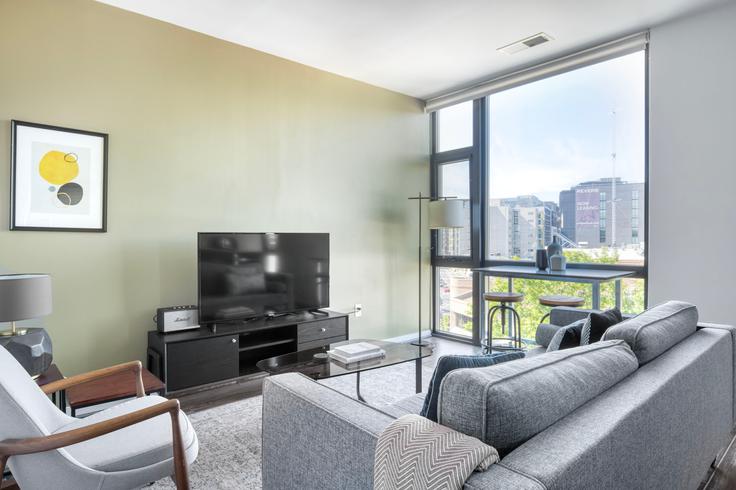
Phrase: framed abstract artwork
(58, 179)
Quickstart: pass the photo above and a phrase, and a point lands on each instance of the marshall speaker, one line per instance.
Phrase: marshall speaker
(176, 318)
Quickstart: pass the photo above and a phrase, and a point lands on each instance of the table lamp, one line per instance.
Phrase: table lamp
(24, 297)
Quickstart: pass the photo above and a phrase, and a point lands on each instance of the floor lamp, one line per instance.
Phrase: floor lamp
(444, 212)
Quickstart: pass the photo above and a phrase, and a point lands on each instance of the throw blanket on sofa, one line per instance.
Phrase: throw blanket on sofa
(415, 453)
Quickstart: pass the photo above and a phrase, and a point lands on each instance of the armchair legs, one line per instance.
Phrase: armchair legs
(181, 473)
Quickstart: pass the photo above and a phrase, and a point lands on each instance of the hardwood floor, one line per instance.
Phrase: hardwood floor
(9, 485)
(194, 401)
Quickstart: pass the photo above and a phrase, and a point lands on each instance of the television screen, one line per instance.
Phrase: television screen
(245, 275)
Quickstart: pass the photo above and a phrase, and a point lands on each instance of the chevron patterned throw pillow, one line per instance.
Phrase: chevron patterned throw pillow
(413, 452)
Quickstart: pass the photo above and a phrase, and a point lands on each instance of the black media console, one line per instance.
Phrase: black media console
(207, 355)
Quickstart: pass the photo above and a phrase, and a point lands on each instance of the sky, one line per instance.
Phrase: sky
(552, 134)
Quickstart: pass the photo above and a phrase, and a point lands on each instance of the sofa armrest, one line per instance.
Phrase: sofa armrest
(565, 315)
(732, 330)
(315, 437)
(545, 332)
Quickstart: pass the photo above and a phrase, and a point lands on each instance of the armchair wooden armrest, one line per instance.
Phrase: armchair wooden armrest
(134, 366)
(13, 447)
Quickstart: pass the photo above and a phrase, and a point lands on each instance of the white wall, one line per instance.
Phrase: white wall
(692, 207)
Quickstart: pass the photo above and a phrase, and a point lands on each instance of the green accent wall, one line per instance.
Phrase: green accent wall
(205, 135)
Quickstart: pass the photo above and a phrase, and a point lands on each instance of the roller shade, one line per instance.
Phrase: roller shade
(603, 52)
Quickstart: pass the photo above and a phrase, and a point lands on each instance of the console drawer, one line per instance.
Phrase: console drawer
(314, 344)
(322, 329)
(199, 362)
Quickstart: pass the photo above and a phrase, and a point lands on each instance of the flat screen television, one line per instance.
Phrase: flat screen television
(247, 275)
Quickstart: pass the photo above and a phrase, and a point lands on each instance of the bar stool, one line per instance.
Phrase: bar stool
(505, 300)
(553, 300)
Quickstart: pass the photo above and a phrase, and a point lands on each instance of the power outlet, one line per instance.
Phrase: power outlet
(358, 310)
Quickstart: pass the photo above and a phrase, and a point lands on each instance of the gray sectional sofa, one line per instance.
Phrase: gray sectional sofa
(650, 406)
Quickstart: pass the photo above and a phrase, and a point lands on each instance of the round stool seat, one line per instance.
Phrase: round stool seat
(504, 297)
(561, 300)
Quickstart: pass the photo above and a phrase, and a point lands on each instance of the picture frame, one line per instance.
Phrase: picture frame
(58, 178)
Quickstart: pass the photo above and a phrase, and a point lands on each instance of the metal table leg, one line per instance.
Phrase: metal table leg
(357, 387)
(596, 295)
(418, 366)
(618, 293)
(483, 327)
(508, 313)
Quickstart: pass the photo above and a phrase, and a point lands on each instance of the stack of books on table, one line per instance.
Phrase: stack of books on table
(360, 351)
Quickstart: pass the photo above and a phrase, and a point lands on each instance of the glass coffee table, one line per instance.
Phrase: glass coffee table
(317, 365)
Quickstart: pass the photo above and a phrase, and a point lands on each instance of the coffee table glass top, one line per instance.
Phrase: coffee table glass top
(320, 367)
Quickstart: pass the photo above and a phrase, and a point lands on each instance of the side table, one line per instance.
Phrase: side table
(49, 376)
(111, 388)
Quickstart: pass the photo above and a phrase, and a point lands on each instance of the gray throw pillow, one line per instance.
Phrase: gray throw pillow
(445, 364)
(567, 337)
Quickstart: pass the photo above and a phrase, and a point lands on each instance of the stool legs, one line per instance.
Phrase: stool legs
(514, 327)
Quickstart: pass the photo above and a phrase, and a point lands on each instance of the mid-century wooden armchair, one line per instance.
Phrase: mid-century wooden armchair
(126, 446)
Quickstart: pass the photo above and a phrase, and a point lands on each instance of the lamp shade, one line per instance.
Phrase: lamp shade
(24, 296)
(446, 213)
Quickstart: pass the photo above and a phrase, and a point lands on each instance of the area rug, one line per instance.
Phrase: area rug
(230, 434)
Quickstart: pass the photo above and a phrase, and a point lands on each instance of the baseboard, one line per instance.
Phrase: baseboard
(409, 337)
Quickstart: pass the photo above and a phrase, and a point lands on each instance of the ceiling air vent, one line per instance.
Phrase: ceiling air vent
(525, 43)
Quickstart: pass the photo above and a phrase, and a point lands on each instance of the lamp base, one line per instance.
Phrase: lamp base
(33, 350)
(13, 331)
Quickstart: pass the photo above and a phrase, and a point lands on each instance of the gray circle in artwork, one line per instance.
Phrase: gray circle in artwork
(52, 188)
(70, 194)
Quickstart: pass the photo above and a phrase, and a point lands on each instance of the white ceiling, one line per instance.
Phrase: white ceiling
(417, 47)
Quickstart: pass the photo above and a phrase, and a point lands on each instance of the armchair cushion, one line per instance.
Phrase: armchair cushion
(133, 447)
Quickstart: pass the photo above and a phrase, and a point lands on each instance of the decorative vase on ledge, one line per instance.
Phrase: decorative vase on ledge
(541, 259)
(557, 262)
(553, 248)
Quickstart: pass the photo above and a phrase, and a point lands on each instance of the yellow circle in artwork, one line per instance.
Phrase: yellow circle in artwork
(57, 167)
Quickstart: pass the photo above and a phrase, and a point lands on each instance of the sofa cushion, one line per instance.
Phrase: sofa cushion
(410, 405)
(507, 404)
(567, 337)
(657, 329)
(445, 364)
(598, 323)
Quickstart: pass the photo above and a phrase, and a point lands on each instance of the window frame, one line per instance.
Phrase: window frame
(473, 155)
(480, 167)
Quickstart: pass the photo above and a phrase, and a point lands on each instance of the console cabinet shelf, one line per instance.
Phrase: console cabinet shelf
(194, 358)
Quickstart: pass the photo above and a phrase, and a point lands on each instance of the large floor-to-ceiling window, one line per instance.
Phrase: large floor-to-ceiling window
(561, 158)
(454, 159)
